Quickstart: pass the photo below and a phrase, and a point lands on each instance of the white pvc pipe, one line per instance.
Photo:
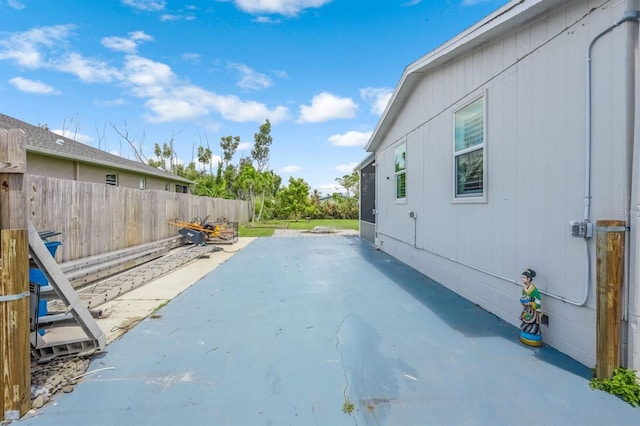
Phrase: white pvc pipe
(633, 315)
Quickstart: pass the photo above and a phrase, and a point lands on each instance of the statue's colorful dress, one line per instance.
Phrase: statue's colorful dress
(531, 315)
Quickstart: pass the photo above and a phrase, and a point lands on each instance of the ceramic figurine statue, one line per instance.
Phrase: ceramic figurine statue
(531, 311)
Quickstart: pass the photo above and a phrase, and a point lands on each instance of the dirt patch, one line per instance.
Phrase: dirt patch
(316, 232)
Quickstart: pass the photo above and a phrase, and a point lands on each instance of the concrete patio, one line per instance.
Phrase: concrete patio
(292, 331)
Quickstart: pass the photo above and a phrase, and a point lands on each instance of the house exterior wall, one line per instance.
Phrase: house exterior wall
(60, 168)
(533, 82)
(49, 166)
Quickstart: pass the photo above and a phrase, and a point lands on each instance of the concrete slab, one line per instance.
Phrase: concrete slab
(126, 311)
(292, 331)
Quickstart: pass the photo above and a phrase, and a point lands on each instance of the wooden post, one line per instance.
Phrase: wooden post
(610, 241)
(15, 354)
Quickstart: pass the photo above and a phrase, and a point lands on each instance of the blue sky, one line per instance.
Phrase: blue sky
(320, 70)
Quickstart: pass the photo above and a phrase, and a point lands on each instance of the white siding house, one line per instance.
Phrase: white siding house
(492, 143)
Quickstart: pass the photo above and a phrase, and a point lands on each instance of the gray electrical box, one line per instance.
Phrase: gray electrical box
(581, 229)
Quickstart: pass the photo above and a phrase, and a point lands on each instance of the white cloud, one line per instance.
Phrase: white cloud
(140, 36)
(120, 44)
(251, 79)
(33, 86)
(24, 48)
(148, 5)
(173, 109)
(351, 138)
(79, 137)
(147, 76)
(234, 109)
(15, 4)
(325, 107)
(327, 188)
(171, 17)
(126, 45)
(378, 97)
(411, 3)
(290, 169)
(88, 70)
(346, 168)
(279, 7)
(267, 20)
(243, 146)
(190, 57)
(165, 96)
(35, 49)
(473, 2)
(182, 102)
(280, 74)
(112, 102)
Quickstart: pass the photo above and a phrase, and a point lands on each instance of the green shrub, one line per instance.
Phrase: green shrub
(624, 384)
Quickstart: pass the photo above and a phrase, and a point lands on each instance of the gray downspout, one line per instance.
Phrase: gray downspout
(631, 15)
(633, 287)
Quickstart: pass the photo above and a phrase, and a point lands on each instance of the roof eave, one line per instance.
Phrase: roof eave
(493, 26)
(364, 163)
(81, 159)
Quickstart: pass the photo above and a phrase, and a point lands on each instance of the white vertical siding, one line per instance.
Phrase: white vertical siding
(534, 81)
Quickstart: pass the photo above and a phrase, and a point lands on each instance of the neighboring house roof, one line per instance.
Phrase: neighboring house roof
(42, 141)
(502, 21)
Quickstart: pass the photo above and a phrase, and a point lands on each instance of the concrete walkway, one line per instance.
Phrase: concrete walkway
(296, 331)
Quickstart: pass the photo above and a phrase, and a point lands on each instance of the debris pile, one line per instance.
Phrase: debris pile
(55, 376)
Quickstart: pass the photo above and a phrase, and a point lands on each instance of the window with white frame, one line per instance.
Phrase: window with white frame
(112, 179)
(469, 140)
(143, 183)
(400, 154)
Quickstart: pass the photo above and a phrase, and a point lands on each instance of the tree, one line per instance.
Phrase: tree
(204, 157)
(314, 199)
(246, 184)
(351, 184)
(294, 200)
(260, 151)
(136, 146)
(268, 184)
(229, 145)
(164, 154)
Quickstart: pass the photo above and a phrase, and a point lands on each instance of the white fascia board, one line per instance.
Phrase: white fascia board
(364, 163)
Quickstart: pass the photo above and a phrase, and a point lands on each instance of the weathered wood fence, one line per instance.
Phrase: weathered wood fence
(95, 218)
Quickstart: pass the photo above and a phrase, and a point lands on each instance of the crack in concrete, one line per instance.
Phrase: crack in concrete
(344, 370)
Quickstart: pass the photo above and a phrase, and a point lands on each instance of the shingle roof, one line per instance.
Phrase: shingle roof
(42, 141)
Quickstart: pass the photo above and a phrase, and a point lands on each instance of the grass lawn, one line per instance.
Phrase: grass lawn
(266, 228)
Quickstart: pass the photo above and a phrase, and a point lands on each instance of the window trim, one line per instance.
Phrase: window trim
(396, 174)
(471, 198)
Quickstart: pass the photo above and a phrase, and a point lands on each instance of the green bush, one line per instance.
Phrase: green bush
(624, 384)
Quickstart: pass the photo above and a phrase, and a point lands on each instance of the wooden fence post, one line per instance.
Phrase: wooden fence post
(610, 242)
(15, 354)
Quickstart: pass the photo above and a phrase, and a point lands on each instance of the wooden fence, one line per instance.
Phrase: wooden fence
(95, 218)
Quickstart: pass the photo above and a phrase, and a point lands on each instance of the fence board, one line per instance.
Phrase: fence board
(95, 218)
